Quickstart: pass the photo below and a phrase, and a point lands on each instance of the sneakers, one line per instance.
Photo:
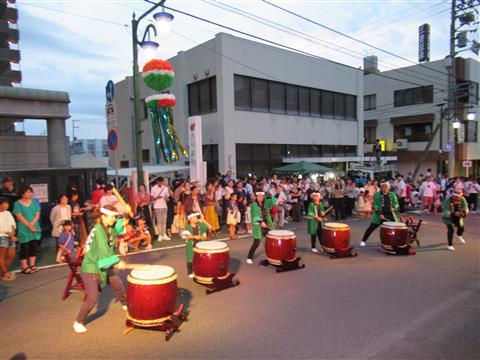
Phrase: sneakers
(165, 237)
(249, 261)
(160, 238)
(148, 247)
(451, 248)
(191, 276)
(461, 239)
(314, 250)
(79, 328)
(363, 243)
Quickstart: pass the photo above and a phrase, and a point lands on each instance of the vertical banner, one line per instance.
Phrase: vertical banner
(195, 148)
(424, 43)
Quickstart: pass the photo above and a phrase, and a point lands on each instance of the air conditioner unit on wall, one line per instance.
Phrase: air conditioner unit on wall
(401, 144)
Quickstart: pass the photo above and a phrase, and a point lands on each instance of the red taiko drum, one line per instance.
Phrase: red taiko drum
(281, 245)
(151, 295)
(393, 234)
(336, 236)
(211, 259)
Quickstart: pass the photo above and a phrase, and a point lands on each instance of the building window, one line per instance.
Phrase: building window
(327, 104)
(370, 134)
(370, 102)
(210, 156)
(124, 164)
(413, 96)
(340, 106)
(315, 103)
(304, 101)
(351, 107)
(471, 131)
(413, 132)
(146, 155)
(243, 93)
(260, 95)
(252, 94)
(202, 97)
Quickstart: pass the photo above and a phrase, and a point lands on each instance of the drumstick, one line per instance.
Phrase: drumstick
(128, 209)
(324, 213)
(132, 266)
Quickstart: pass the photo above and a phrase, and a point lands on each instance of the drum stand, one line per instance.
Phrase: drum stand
(219, 284)
(285, 265)
(340, 253)
(170, 326)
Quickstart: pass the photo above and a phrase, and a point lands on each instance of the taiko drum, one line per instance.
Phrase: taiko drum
(280, 245)
(336, 236)
(151, 295)
(393, 234)
(211, 259)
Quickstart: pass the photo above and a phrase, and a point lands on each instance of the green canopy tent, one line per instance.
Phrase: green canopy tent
(303, 167)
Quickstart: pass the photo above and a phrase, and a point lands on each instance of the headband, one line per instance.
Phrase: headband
(108, 212)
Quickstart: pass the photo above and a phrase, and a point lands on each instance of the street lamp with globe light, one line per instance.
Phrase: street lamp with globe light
(149, 47)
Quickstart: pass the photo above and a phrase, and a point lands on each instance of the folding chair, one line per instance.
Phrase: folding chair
(73, 264)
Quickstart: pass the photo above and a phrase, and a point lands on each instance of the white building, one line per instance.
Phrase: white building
(96, 147)
(405, 114)
(261, 106)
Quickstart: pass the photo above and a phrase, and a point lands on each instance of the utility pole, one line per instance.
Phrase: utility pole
(452, 101)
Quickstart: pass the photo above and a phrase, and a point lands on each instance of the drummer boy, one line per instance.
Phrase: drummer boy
(315, 216)
(194, 231)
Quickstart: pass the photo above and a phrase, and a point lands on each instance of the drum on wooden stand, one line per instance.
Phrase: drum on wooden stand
(211, 259)
(151, 295)
(280, 246)
(394, 238)
(336, 237)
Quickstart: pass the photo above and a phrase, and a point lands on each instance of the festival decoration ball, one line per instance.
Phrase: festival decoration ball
(158, 74)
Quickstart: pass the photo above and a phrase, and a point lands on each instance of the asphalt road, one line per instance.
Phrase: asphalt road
(372, 306)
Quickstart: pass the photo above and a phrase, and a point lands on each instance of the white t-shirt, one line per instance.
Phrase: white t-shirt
(427, 189)
(160, 203)
(7, 223)
(401, 189)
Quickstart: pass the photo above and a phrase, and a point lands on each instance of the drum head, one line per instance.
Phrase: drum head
(211, 245)
(336, 226)
(281, 233)
(152, 272)
(394, 224)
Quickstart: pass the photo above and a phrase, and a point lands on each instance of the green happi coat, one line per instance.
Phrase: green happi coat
(256, 216)
(313, 224)
(99, 252)
(202, 229)
(377, 206)
(447, 209)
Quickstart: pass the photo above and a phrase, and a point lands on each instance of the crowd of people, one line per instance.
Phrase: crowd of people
(161, 211)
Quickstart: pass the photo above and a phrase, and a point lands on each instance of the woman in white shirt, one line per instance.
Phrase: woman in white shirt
(60, 212)
(7, 240)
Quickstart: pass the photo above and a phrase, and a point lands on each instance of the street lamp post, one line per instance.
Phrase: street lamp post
(160, 18)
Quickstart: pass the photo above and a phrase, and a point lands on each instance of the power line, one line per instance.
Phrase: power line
(308, 37)
(76, 14)
(286, 46)
(346, 35)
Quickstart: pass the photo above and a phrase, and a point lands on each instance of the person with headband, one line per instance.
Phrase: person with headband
(315, 214)
(455, 209)
(99, 263)
(195, 231)
(261, 223)
(385, 203)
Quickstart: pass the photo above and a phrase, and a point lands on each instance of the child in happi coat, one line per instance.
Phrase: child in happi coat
(194, 232)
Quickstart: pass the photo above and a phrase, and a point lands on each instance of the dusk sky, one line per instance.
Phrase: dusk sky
(77, 46)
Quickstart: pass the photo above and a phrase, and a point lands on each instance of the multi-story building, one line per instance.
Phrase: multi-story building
(261, 106)
(405, 112)
(96, 147)
(9, 52)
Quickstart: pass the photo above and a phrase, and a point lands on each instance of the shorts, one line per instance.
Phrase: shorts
(5, 241)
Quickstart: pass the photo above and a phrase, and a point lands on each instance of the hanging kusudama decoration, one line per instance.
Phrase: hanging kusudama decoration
(159, 75)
